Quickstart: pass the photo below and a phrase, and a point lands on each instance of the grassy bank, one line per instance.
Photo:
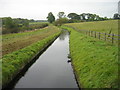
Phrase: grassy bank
(95, 62)
(13, 42)
(12, 63)
(99, 26)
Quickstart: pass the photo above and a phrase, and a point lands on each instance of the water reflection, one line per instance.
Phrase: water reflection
(63, 35)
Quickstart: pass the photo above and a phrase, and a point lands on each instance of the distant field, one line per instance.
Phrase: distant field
(99, 26)
(13, 42)
(37, 23)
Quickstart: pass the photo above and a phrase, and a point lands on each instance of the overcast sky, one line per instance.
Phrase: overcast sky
(39, 9)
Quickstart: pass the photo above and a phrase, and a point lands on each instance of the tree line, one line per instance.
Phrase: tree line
(74, 17)
(16, 25)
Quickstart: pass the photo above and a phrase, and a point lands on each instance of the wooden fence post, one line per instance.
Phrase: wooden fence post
(99, 35)
(105, 36)
(112, 38)
(91, 33)
(95, 34)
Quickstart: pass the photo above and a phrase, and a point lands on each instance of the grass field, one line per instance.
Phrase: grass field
(13, 42)
(100, 26)
(33, 42)
(95, 62)
(32, 23)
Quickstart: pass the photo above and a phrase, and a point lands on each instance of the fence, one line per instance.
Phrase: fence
(113, 38)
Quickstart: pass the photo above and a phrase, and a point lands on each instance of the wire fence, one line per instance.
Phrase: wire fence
(112, 38)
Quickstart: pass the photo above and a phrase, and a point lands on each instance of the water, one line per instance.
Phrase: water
(51, 70)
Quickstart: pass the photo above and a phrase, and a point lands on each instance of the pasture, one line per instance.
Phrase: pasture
(95, 62)
(99, 26)
(103, 30)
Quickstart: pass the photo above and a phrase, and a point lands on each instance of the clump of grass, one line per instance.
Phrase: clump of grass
(69, 56)
(95, 62)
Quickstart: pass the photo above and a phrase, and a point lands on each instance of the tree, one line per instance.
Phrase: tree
(116, 16)
(32, 20)
(61, 15)
(26, 23)
(74, 16)
(10, 25)
(83, 15)
(60, 21)
(88, 16)
(97, 18)
(93, 17)
(105, 18)
(51, 17)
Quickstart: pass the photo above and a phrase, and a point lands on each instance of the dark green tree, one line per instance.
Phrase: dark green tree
(74, 16)
(61, 15)
(51, 17)
(26, 23)
(10, 25)
(93, 17)
(97, 18)
(83, 15)
(60, 21)
(116, 16)
(88, 16)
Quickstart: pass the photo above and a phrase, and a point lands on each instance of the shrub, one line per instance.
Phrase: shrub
(60, 21)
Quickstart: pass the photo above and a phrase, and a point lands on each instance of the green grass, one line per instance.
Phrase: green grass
(32, 23)
(8, 37)
(19, 35)
(12, 63)
(99, 26)
(95, 62)
(13, 42)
